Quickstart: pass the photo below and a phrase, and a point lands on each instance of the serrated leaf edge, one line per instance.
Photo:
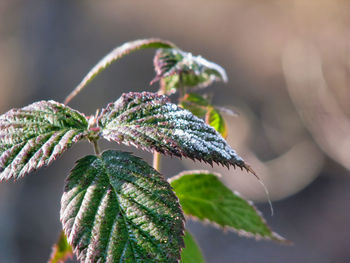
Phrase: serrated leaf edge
(222, 75)
(228, 162)
(60, 133)
(69, 239)
(274, 236)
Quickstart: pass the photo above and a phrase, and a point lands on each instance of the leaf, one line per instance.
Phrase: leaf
(61, 251)
(151, 122)
(191, 253)
(117, 54)
(168, 85)
(195, 103)
(215, 120)
(116, 208)
(204, 197)
(36, 135)
(201, 108)
(178, 68)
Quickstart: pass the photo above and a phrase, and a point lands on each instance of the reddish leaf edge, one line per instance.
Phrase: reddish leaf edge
(82, 136)
(131, 95)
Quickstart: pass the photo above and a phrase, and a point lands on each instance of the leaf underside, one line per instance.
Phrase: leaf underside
(178, 68)
(203, 196)
(116, 208)
(36, 135)
(61, 251)
(151, 122)
(191, 253)
(117, 54)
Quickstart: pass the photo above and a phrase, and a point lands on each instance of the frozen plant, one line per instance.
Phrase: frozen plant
(116, 207)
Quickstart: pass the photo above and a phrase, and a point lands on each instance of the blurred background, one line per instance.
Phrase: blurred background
(288, 64)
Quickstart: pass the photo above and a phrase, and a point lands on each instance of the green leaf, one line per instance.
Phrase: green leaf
(215, 120)
(196, 104)
(115, 55)
(116, 208)
(151, 122)
(178, 68)
(36, 135)
(201, 108)
(204, 197)
(191, 253)
(61, 251)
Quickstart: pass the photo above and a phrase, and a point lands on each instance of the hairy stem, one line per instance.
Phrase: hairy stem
(96, 147)
(156, 161)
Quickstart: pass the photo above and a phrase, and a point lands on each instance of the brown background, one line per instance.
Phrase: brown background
(288, 66)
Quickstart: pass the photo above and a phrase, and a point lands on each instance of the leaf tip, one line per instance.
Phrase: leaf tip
(280, 239)
(249, 169)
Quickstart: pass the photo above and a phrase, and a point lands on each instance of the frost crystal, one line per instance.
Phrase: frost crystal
(150, 122)
(116, 208)
(177, 68)
(36, 135)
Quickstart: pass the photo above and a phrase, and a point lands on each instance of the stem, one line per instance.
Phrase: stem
(156, 161)
(96, 147)
(182, 90)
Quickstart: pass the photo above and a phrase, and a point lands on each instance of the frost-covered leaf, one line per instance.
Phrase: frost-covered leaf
(151, 122)
(215, 120)
(203, 196)
(202, 108)
(61, 251)
(115, 55)
(191, 253)
(116, 208)
(177, 68)
(168, 85)
(36, 135)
